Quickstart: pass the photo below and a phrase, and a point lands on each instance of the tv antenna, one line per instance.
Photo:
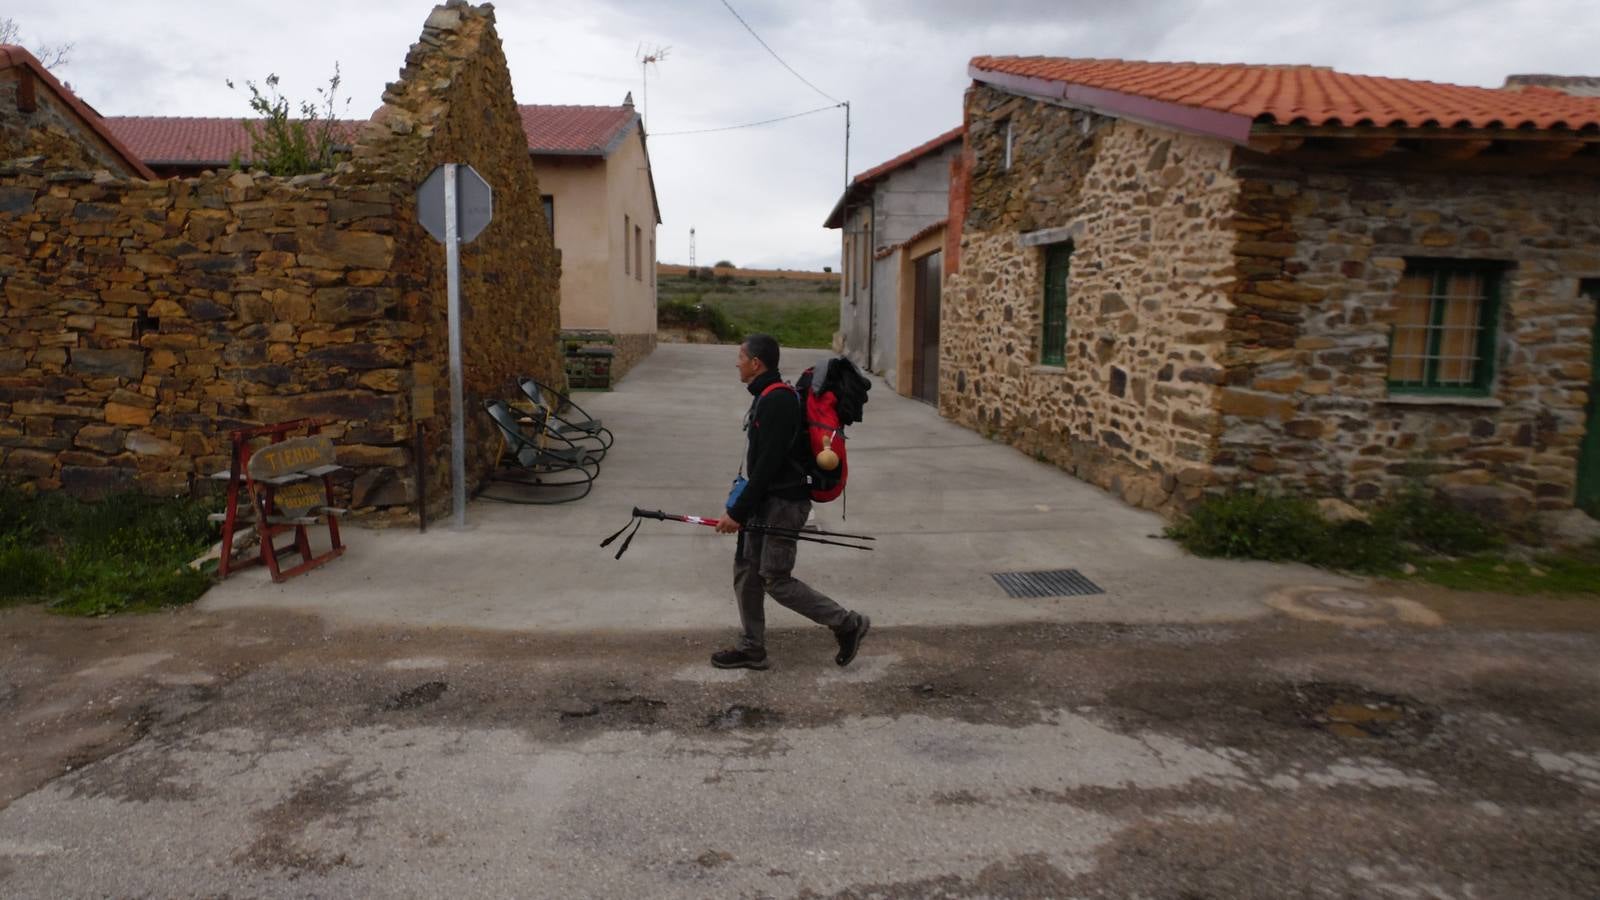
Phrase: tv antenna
(646, 60)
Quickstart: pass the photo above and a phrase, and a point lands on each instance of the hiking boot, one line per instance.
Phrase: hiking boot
(739, 659)
(849, 639)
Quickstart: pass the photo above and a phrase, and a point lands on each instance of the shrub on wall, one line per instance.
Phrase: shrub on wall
(285, 146)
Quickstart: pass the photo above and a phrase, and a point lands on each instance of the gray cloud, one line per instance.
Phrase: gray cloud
(758, 196)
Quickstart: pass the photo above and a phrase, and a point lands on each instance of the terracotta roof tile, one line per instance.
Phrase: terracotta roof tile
(583, 130)
(907, 157)
(1308, 95)
(574, 129)
(859, 183)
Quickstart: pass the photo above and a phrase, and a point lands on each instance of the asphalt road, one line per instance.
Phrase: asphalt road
(269, 754)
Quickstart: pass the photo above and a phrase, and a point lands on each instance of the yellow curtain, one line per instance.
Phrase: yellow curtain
(1408, 356)
(1458, 346)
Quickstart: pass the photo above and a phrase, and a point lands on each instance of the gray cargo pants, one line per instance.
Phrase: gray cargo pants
(762, 564)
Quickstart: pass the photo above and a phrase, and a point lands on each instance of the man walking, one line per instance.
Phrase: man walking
(774, 494)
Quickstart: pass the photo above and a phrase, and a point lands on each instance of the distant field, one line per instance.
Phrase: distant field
(800, 309)
(795, 274)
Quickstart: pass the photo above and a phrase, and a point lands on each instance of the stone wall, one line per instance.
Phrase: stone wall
(142, 320)
(52, 130)
(1320, 258)
(145, 319)
(453, 103)
(631, 350)
(1148, 213)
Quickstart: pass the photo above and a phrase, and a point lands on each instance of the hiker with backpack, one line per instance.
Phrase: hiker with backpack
(774, 489)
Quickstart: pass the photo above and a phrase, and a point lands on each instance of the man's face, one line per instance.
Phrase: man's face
(749, 367)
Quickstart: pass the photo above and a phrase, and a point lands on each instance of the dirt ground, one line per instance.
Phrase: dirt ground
(265, 754)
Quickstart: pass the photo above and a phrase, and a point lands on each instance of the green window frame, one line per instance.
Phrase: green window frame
(1053, 336)
(1445, 330)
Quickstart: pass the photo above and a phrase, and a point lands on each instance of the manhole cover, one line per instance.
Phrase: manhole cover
(1049, 583)
(1337, 606)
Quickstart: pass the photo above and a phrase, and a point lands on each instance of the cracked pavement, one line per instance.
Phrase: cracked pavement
(270, 754)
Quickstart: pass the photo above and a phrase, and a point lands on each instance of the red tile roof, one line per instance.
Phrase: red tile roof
(181, 139)
(908, 157)
(859, 183)
(12, 55)
(561, 130)
(1305, 95)
(585, 130)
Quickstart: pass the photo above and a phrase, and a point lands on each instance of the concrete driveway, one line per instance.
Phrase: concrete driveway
(947, 506)
(508, 712)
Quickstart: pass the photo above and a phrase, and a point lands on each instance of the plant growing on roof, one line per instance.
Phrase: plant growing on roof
(286, 146)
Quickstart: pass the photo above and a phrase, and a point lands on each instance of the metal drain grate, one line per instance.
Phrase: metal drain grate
(1052, 583)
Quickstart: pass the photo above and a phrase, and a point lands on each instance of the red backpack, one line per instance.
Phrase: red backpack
(826, 408)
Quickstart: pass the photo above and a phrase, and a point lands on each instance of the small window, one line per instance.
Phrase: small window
(1008, 145)
(627, 251)
(1053, 339)
(549, 202)
(638, 253)
(655, 264)
(1443, 338)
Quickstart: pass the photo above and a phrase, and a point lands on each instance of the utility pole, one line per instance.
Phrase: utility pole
(846, 105)
(691, 248)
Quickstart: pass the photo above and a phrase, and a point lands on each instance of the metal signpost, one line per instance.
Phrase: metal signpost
(454, 204)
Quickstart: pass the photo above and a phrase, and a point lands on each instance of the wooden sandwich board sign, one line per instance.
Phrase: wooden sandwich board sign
(285, 458)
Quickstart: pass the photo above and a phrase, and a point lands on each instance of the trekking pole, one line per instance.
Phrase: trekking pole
(814, 537)
(751, 526)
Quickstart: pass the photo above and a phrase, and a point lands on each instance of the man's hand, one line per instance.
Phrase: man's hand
(728, 525)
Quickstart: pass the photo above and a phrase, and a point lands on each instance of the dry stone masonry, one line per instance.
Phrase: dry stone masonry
(143, 320)
(1146, 211)
(1229, 314)
(1320, 258)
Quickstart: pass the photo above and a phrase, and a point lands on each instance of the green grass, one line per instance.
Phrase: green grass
(125, 553)
(1416, 533)
(798, 313)
(1573, 572)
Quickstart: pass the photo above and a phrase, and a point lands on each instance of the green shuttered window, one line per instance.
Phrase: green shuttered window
(1443, 338)
(1053, 344)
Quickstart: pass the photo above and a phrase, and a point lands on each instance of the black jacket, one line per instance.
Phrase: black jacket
(775, 456)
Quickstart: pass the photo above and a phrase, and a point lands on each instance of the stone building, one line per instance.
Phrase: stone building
(143, 319)
(882, 208)
(1178, 277)
(599, 196)
(42, 117)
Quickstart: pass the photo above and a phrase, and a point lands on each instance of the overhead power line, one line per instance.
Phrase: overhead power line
(809, 112)
(835, 100)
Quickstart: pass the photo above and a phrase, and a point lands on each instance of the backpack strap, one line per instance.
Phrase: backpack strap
(774, 386)
(801, 435)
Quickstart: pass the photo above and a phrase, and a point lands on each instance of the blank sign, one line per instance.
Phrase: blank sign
(474, 203)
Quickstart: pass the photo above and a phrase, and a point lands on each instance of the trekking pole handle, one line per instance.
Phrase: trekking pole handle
(673, 517)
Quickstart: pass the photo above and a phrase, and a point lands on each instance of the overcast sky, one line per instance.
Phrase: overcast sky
(758, 196)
